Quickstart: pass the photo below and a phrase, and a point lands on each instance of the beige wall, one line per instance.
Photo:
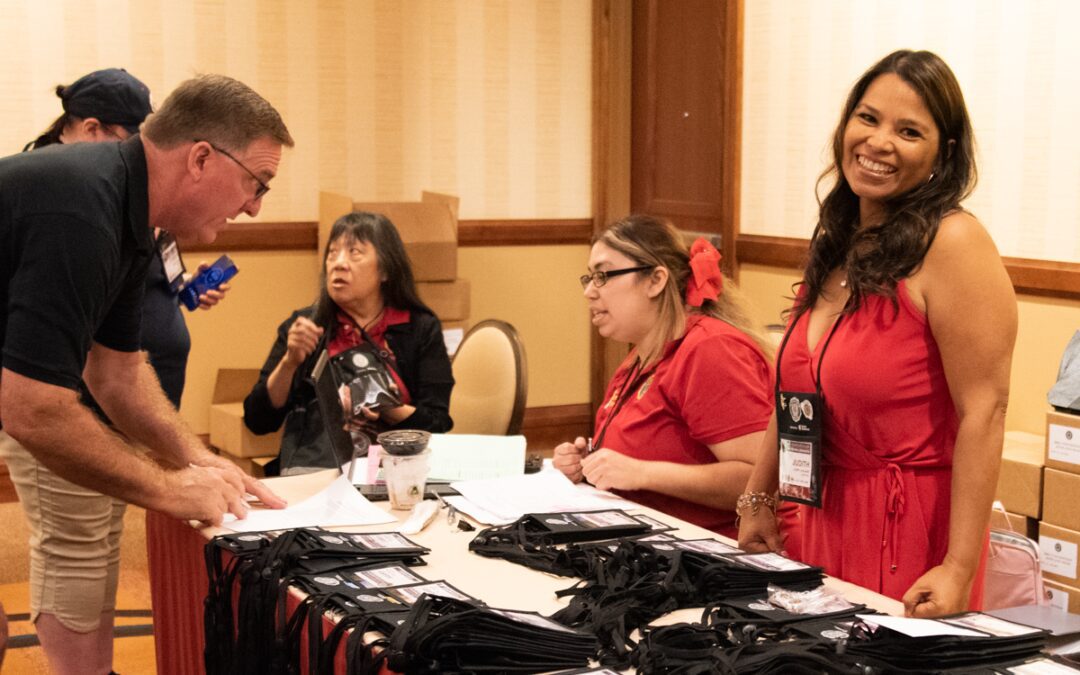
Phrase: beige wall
(1046, 325)
(536, 289)
(1015, 61)
(486, 99)
(489, 100)
(239, 332)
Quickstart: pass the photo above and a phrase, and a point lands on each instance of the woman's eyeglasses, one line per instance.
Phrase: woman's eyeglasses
(600, 277)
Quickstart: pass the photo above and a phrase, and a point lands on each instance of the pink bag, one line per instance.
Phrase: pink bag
(1013, 570)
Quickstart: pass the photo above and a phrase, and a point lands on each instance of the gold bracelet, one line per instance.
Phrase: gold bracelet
(754, 501)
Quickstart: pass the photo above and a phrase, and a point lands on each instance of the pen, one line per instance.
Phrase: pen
(588, 446)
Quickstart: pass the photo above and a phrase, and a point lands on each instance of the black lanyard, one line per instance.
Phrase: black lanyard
(633, 378)
(821, 358)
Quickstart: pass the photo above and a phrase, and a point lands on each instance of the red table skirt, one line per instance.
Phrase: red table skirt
(178, 586)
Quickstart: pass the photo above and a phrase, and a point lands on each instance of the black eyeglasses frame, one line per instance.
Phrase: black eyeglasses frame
(600, 277)
(259, 191)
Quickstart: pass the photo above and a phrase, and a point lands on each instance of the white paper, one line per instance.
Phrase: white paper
(337, 505)
(509, 498)
(1059, 599)
(453, 337)
(917, 627)
(1063, 443)
(1058, 556)
(475, 456)
(992, 625)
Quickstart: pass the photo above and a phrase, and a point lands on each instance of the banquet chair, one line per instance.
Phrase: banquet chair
(490, 381)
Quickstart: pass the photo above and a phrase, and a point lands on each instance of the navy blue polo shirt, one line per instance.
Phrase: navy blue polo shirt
(74, 248)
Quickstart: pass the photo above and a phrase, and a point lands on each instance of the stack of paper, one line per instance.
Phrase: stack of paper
(339, 504)
(499, 501)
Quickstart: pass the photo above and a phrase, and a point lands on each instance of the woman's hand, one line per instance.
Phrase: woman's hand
(567, 458)
(608, 469)
(303, 337)
(942, 590)
(759, 532)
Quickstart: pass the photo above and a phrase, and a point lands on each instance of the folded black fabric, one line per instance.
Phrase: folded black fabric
(995, 642)
(443, 635)
(258, 634)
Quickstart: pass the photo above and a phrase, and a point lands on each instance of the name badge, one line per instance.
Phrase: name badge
(798, 425)
(169, 253)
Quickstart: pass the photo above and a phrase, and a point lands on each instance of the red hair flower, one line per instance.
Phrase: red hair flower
(705, 282)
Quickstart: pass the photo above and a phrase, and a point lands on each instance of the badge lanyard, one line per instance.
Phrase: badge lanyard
(633, 377)
(171, 260)
(798, 430)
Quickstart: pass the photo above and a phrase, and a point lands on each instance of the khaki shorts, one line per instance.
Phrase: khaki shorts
(74, 542)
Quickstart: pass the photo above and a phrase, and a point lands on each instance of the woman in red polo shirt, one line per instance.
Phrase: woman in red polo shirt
(685, 413)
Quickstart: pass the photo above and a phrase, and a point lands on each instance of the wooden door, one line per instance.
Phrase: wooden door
(666, 106)
(685, 114)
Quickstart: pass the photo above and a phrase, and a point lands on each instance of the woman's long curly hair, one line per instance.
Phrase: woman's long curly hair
(876, 257)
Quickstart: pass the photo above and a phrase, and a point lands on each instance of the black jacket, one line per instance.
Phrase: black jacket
(421, 361)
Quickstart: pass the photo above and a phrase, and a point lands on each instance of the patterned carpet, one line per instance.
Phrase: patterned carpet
(134, 644)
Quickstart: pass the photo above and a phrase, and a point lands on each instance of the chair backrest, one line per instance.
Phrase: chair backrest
(490, 381)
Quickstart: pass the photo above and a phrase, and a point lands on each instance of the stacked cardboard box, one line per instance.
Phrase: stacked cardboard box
(1020, 483)
(1059, 531)
(429, 230)
(228, 435)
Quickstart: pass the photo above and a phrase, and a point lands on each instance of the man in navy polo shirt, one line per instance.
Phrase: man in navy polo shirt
(75, 243)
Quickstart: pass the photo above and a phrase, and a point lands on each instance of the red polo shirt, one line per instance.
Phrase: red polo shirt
(710, 386)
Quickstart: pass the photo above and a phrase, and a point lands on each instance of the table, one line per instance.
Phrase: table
(178, 580)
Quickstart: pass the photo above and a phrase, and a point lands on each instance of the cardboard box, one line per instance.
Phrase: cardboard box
(1063, 441)
(1014, 522)
(1060, 504)
(1062, 596)
(450, 300)
(427, 227)
(1058, 549)
(253, 466)
(1020, 482)
(227, 430)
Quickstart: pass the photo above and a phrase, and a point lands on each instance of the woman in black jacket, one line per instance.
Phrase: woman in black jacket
(368, 296)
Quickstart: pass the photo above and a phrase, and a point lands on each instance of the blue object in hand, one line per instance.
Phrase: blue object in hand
(209, 279)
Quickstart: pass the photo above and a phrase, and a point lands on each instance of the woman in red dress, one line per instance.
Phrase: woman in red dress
(904, 324)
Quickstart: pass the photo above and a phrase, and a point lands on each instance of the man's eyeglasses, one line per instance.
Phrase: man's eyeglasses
(600, 277)
(263, 187)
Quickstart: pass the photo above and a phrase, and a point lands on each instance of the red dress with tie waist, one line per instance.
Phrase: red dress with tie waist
(889, 432)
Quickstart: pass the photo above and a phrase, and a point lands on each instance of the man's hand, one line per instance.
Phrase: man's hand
(250, 484)
(205, 494)
(211, 297)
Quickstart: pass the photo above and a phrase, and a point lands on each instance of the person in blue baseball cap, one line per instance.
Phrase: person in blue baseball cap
(104, 105)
